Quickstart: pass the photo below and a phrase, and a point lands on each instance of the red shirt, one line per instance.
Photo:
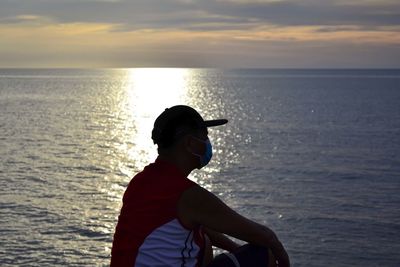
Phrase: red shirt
(148, 232)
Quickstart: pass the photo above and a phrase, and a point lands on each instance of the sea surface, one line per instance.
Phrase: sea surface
(313, 154)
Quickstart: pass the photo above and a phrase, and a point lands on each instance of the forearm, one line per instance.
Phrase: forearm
(259, 235)
(220, 240)
(275, 245)
(263, 236)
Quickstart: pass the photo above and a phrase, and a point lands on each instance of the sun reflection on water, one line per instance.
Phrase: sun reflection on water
(149, 92)
(132, 102)
(137, 97)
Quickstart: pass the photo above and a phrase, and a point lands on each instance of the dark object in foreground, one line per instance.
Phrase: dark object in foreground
(246, 256)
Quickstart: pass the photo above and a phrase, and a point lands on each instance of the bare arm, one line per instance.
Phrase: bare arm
(198, 206)
(221, 241)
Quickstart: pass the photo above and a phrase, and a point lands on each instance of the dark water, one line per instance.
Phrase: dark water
(314, 154)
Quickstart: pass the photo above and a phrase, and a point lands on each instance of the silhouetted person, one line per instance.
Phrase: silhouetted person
(168, 220)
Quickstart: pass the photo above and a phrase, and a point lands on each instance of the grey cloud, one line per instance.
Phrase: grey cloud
(206, 14)
(293, 13)
(130, 12)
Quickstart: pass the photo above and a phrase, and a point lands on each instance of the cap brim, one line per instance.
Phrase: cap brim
(212, 123)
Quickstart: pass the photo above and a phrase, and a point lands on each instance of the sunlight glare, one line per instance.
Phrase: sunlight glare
(150, 91)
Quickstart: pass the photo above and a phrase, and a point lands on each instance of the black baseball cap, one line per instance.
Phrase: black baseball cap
(177, 121)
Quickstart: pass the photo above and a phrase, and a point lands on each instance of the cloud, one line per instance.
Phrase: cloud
(139, 13)
(95, 44)
(226, 33)
(309, 12)
(206, 13)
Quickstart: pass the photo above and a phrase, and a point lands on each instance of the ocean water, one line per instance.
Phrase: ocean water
(313, 154)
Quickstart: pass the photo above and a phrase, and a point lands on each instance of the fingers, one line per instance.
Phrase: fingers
(271, 259)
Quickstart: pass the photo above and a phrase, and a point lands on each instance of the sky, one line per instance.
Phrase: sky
(203, 33)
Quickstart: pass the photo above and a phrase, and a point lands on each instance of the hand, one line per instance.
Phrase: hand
(281, 256)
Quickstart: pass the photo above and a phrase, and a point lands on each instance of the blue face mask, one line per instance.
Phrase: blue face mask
(206, 157)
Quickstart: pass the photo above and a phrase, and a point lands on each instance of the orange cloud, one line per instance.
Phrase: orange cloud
(37, 41)
(345, 34)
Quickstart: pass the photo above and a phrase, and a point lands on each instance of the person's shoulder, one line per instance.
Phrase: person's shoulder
(196, 190)
(198, 206)
(196, 196)
(190, 203)
(150, 171)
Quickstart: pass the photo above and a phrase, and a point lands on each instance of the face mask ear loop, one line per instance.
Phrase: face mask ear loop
(201, 157)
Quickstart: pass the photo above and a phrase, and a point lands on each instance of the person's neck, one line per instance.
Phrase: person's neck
(180, 162)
